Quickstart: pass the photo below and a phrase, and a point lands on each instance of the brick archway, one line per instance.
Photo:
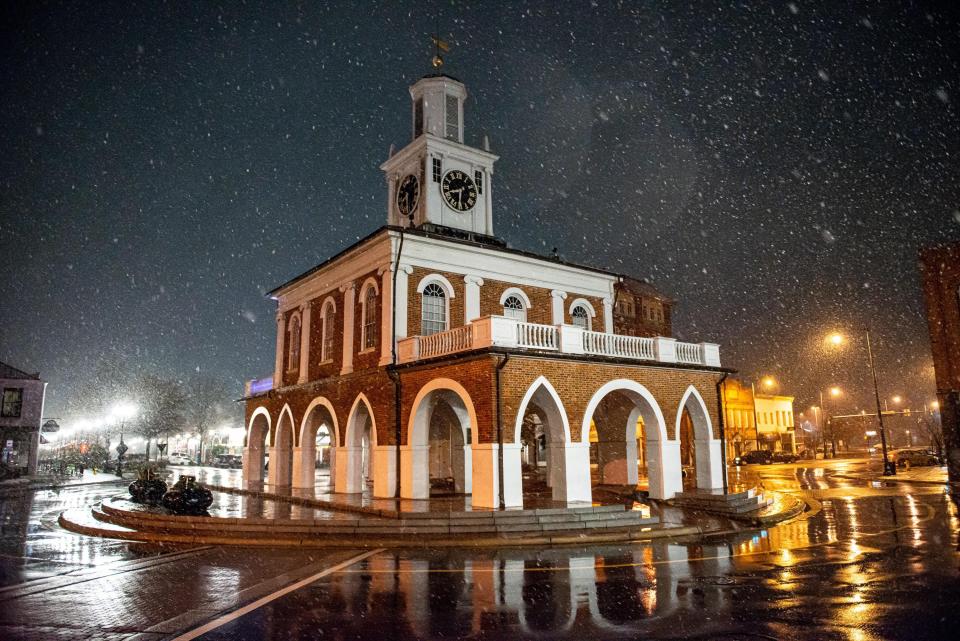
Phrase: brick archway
(319, 412)
(281, 449)
(663, 455)
(355, 460)
(707, 449)
(256, 441)
(415, 455)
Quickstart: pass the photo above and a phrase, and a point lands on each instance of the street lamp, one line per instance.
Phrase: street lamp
(122, 412)
(838, 339)
(834, 393)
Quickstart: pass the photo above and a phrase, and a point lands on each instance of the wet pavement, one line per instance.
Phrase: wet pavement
(869, 560)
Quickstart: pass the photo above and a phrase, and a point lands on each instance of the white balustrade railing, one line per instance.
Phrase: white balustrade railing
(453, 340)
(500, 331)
(536, 336)
(619, 346)
(690, 353)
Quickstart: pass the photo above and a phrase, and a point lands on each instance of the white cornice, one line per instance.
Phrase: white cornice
(484, 262)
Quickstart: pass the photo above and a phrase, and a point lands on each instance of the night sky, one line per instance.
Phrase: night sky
(773, 166)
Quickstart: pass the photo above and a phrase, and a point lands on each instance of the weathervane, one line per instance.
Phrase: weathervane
(439, 45)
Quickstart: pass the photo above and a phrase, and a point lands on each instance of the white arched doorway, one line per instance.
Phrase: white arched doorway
(633, 402)
(280, 465)
(354, 460)
(707, 456)
(319, 434)
(566, 460)
(258, 432)
(441, 434)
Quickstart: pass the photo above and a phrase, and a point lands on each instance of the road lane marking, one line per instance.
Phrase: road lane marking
(250, 607)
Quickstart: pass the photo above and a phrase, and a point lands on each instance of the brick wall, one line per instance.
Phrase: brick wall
(365, 359)
(413, 299)
(319, 369)
(575, 382)
(541, 303)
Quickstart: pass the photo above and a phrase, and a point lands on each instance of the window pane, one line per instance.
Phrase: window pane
(370, 319)
(433, 310)
(328, 334)
(513, 308)
(581, 318)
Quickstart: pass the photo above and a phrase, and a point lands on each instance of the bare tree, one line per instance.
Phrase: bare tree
(208, 403)
(931, 426)
(162, 404)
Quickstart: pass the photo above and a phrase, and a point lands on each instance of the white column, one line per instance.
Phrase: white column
(349, 472)
(608, 315)
(471, 302)
(558, 297)
(298, 471)
(385, 471)
(279, 471)
(402, 295)
(386, 318)
(709, 464)
(666, 473)
(278, 363)
(415, 471)
(349, 297)
(576, 470)
(304, 343)
(252, 464)
(486, 475)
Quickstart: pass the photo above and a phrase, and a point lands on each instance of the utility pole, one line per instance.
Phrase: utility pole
(888, 470)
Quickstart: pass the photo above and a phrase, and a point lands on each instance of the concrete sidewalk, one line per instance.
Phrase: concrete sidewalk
(932, 475)
(52, 482)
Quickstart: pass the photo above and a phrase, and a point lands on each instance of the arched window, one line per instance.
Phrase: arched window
(433, 306)
(369, 328)
(513, 308)
(581, 317)
(293, 364)
(326, 344)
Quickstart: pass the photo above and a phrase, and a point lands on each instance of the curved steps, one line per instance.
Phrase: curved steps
(527, 527)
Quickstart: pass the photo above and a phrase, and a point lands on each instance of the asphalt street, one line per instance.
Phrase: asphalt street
(867, 561)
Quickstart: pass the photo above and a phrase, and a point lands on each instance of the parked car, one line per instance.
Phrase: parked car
(179, 459)
(914, 457)
(228, 461)
(783, 457)
(754, 457)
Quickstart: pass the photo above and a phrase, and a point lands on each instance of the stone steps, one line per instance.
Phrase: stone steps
(506, 524)
(733, 504)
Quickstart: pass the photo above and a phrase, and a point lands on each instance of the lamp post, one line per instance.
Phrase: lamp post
(121, 412)
(837, 340)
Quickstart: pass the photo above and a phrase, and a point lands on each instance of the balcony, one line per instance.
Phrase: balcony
(499, 331)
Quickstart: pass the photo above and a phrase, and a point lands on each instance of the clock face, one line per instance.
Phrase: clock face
(408, 195)
(459, 190)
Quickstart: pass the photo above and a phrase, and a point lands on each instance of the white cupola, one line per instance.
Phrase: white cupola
(437, 181)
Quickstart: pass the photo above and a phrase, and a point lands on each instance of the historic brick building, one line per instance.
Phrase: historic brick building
(20, 416)
(940, 270)
(431, 357)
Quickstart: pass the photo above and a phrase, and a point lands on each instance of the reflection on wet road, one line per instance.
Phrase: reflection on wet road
(864, 563)
(867, 561)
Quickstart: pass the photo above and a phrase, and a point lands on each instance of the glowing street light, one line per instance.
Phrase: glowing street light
(838, 339)
(769, 382)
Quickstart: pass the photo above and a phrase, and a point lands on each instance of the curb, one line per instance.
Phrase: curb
(798, 508)
(631, 535)
(891, 479)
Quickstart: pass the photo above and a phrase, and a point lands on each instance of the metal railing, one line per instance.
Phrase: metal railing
(619, 346)
(536, 336)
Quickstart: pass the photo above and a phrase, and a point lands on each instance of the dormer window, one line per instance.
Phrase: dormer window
(453, 118)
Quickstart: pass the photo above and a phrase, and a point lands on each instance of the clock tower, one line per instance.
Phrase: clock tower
(437, 181)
